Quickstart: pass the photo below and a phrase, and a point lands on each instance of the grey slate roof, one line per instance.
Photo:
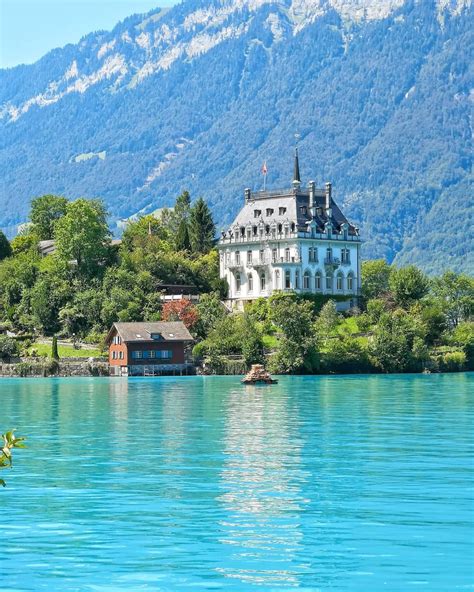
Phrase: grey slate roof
(297, 209)
(141, 332)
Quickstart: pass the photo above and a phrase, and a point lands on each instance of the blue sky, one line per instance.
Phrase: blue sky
(30, 28)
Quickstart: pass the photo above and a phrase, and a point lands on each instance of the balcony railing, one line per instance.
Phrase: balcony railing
(332, 261)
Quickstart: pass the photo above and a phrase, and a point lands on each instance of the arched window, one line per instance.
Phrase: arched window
(329, 282)
(306, 280)
(297, 280)
(250, 282)
(238, 282)
(287, 279)
(350, 282)
(339, 281)
(317, 281)
(263, 282)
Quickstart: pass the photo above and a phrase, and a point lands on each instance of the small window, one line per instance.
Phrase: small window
(137, 355)
(267, 229)
(274, 255)
(329, 282)
(310, 254)
(257, 213)
(293, 227)
(242, 231)
(237, 282)
(279, 228)
(329, 255)
(121, 355)
(250, 282)
(269, 211)
(287, 279)
(262, 255)
(254, 230)
(249, 257)
(350, 283)
(304, 210)
(263, 282)
(339, 282)
(281, 211)
(156, 336)
(114, 355)
(297, 280)
(237, 257)
(287, 254)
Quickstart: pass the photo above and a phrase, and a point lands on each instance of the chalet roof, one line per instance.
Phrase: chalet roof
(141, 332)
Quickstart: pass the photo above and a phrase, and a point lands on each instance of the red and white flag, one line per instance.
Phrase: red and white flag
(264, 168)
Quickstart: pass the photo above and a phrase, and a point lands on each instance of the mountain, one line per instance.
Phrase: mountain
(198, 96)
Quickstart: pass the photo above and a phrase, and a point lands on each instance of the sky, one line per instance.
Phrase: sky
(30, 28)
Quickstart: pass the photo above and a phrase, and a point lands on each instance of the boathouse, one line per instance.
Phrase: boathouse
(149, 349)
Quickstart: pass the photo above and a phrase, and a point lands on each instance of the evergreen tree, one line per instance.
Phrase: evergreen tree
(202, 229)
(5, 247)
(54, 348)
(183, 241)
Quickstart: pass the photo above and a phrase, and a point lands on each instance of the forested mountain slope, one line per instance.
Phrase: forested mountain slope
(200, 95)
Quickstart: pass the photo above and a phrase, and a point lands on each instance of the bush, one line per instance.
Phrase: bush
(9, 347)
(452, 361)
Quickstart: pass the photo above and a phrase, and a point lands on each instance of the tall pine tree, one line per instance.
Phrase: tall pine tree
(202, 228)
(5, 248)
(181, 220)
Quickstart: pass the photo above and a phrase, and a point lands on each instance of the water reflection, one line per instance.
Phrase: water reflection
(261, 484)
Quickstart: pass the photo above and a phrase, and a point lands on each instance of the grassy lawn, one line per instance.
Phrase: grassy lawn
(66, 351)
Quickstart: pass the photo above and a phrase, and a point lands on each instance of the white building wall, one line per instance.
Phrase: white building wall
(289, 256)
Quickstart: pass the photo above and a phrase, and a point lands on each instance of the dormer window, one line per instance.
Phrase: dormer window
(281, 211)
(156, 336)
(257, 213)
(269, 211)
(304, 210)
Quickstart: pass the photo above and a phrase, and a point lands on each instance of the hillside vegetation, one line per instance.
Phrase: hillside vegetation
(200, 95)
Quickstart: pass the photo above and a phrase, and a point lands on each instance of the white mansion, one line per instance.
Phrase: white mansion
(291, 240)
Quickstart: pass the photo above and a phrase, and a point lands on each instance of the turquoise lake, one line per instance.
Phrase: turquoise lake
(356, 483)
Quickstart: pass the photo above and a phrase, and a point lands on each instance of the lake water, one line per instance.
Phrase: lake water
(318, 483)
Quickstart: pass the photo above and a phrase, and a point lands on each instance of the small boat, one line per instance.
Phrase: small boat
(258, 375)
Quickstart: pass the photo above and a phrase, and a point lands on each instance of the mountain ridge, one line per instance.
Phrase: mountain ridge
(365, 94)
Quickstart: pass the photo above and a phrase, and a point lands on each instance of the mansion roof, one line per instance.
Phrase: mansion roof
(142, 332)
(290, 206)
(292, 211)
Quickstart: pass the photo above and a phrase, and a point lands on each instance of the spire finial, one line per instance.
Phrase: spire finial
(296, 171)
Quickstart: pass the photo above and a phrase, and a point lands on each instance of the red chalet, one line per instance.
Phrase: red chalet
(149, 349)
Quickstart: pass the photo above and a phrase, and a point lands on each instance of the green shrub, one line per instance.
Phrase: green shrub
(452, 361)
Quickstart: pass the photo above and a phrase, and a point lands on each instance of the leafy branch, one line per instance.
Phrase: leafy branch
(10, 441)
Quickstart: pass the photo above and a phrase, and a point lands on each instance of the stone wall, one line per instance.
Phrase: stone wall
(34, 367)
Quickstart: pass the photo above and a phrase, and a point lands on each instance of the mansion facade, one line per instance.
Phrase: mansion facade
(291, 240)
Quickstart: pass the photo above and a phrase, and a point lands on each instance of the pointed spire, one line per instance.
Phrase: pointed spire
(296, 171)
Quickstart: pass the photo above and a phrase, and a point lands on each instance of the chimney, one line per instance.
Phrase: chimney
(312, 198)
(247, 195)
(328, 200)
